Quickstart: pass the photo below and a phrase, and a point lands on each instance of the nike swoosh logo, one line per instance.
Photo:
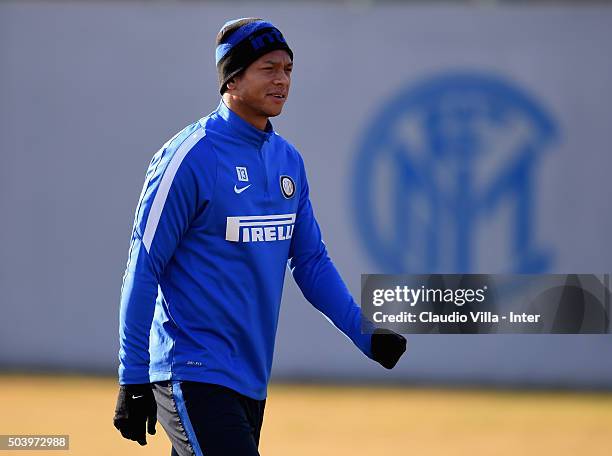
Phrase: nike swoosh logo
(136, 397)
(240, 190)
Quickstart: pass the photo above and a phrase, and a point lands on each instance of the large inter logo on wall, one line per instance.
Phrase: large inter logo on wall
(447, 178)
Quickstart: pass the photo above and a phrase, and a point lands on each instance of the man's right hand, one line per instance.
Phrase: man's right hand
(136, 412)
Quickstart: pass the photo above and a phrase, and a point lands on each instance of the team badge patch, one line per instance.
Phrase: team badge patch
(287, 186)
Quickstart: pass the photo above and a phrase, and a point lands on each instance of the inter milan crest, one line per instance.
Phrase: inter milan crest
(457, 153)
(287, 186)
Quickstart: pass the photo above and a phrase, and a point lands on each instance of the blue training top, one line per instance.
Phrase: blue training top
(223, 208)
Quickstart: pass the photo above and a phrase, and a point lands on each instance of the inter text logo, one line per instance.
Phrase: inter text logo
(270, 37)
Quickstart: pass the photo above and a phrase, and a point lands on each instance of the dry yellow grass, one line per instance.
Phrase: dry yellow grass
(334, 420)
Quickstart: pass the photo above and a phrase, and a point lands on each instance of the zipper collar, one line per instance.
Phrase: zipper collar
(242, 128)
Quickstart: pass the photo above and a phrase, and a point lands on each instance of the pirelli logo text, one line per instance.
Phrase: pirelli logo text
(259, 228)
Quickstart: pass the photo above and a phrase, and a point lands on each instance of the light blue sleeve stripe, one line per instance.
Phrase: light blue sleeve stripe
(182, 412)
(164, 187)
(238, 36)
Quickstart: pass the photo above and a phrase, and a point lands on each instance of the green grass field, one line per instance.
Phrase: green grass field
(334, 420)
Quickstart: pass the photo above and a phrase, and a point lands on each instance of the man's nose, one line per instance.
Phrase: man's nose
(281, 78)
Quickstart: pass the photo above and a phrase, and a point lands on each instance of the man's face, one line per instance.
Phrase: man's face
(263, 87)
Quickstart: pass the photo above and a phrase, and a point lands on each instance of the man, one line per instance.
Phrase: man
(224, 207)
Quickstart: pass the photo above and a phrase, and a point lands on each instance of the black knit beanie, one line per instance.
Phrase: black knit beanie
(242, 41)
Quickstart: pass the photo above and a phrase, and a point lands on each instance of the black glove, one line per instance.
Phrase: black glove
(136, 410)
(387, 347)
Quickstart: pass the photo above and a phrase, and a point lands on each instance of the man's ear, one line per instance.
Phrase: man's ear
(231, 84)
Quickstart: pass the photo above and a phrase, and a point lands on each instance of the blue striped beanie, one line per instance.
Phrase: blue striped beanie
(242, 41)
